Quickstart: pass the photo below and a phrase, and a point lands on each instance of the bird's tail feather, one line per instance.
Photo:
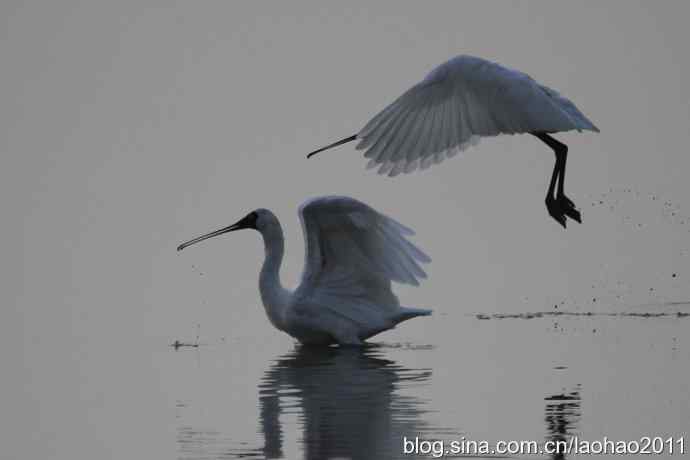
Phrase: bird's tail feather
(406, 313)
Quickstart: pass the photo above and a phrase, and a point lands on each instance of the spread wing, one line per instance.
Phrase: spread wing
(353, 253)
(457, 103)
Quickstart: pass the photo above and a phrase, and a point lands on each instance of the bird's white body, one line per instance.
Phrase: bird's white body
(456, 104)
(352, 254)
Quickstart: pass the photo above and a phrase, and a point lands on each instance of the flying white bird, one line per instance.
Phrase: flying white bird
(459, 102)
(352, 254)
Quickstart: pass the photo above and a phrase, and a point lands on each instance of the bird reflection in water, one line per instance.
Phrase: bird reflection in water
(347, 402)
(562, 415)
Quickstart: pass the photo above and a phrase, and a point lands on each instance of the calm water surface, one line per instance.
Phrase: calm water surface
(454, 377)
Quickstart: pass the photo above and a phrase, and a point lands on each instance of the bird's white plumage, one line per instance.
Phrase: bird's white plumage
(459, 102)
(353, 252)
(343, 234)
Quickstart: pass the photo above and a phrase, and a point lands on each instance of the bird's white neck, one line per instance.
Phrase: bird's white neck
(275, 298)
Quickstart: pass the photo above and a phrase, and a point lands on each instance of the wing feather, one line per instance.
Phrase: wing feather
(446, 129)
(412, 138)
(457, 103)
(384, 124)
(453, 121)
(381, 117)
(381, 135)
(353, 251)
(387, 152)
(441, 128)
(395, 148)
(427, 132)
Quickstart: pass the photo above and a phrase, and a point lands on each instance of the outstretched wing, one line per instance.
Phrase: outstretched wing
(353, 253)
(457, 103)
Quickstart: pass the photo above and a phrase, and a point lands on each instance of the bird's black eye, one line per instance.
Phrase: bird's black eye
(251, 219)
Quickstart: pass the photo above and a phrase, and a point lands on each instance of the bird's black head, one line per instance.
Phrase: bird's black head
(248, 221)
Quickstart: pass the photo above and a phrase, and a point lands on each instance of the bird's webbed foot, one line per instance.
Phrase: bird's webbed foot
(561, 207)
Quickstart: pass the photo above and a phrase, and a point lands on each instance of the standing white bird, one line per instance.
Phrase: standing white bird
(352, 254)
(459, 102)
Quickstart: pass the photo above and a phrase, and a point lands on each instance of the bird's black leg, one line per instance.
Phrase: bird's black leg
(558, 205)
(551, 204)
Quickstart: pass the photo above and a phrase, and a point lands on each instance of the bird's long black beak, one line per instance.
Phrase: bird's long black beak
(334, 144)
(247, 222)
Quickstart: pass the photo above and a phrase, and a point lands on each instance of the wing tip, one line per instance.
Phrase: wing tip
(425, 258)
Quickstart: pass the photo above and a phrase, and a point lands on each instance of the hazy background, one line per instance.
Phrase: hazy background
(128, 127)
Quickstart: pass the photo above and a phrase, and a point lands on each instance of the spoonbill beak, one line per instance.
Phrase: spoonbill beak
(248, 221)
